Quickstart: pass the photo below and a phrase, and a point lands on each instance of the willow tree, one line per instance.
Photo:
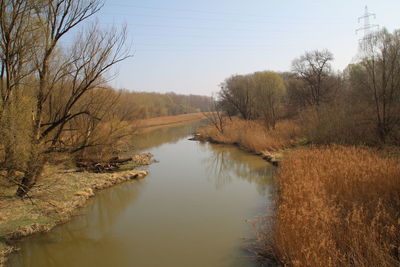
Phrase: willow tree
(270, 90)
(237, 92)
(35, 30)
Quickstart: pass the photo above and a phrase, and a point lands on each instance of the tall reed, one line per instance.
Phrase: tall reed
(254, 135)
(337, 206)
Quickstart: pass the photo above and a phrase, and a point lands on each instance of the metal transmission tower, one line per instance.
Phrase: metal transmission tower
(368, 27)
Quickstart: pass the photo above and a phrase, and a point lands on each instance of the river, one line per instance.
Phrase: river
(191, 210)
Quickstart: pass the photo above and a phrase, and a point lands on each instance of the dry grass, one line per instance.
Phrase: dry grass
(170, 120)
(253, 135)
(338, 206)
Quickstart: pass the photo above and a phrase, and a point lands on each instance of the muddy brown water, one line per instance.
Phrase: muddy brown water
(191, 210)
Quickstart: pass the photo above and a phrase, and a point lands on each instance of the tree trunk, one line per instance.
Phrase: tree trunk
(33, 171)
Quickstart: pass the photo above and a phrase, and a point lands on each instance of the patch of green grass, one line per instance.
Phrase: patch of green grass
(302, 142)
(128, 166)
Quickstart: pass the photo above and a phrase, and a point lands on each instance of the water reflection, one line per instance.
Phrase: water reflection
(227, 162)
(161, 136)
(190, 211)
(85, 234)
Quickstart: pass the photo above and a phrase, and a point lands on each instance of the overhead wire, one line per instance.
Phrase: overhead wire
(238, 13)
(231, 31)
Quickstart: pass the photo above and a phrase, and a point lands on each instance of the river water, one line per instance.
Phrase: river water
(191, 210)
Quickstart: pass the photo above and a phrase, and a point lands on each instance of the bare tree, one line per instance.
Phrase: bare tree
(377, 79)
(16, 45)
(31, 56)
(253, 96)
(216, 117)
(83, 71)
(314, 69)
(238, 92)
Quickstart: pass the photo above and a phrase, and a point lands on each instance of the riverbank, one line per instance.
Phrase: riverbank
(61, 193)
(335, 205)
(254, 137)
(58, 196)
(127, 224)
(168, 121)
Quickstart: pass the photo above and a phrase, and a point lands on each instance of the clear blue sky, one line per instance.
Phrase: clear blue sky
(192, 46)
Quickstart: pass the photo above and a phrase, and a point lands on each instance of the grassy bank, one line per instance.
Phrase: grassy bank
(57, 196)
(337, 206)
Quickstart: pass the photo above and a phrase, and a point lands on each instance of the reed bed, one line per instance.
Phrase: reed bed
(336, 206)
(254, 135)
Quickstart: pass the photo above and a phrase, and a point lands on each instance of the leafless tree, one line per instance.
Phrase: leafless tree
(216, 117)
(377, 79)
(31, 55)
(314, 69)
(238, 93)
(16, 45)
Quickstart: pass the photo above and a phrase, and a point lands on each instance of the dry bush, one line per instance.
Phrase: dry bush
(15, 126)
(107, 139)
(101, 132)
(331, 123)
(254, 135)
(338, 206)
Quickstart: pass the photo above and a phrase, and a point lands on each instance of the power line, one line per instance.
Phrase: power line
(239, 13)
(194, 28)
(270, 20)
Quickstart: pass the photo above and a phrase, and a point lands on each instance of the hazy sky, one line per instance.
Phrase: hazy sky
(192, 46)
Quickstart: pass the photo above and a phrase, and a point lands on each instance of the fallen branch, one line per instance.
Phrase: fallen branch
(100, 167)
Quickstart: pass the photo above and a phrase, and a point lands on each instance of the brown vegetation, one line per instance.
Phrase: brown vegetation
(316, 81)
(254, 96)
(337, 206)
(157, 122)
(144, 105)
(254, 135)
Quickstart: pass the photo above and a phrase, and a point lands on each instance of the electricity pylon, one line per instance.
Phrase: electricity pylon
(368, 27)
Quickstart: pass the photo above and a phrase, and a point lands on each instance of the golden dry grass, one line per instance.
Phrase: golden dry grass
(338, 206)
(171, 120)
(253, 135)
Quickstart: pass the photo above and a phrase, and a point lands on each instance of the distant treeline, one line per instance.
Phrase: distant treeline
(146, 105)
